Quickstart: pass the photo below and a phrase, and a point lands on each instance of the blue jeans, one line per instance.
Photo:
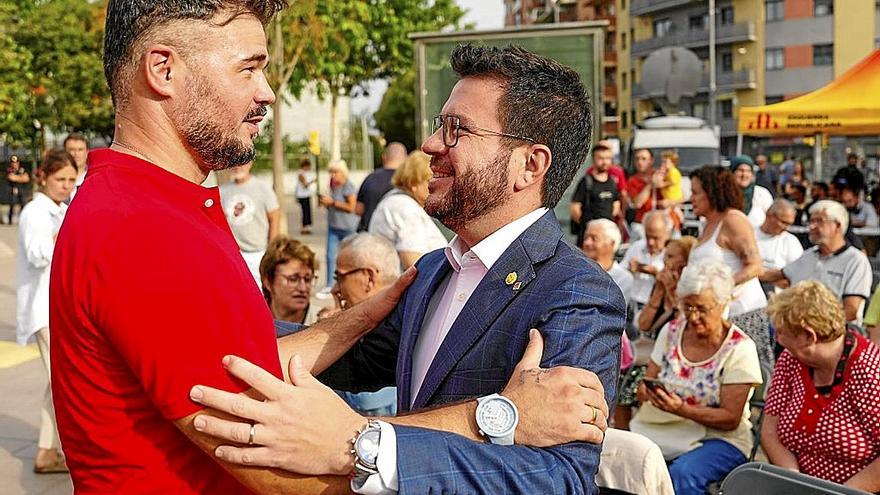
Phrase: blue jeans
(692, 472)
(334, 236)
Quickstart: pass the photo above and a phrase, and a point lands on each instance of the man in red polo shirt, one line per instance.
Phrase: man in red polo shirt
(639, 187)
(149, 290)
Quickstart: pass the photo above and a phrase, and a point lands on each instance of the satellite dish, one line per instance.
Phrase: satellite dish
(671, 74)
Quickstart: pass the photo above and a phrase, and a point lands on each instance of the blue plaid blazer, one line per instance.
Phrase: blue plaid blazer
(580, 312)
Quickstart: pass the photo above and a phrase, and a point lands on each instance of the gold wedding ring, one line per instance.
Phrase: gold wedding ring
(593, 421)
(254, 432)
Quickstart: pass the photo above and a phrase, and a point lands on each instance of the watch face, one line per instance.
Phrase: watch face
(367, 446)
(496, 417)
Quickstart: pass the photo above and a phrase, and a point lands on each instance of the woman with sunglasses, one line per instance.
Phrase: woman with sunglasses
(701, 374)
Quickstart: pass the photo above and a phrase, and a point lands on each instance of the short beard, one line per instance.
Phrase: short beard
(475, 193)
(217, 147)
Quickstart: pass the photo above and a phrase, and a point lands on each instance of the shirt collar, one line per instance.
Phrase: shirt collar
(168, 183)
(48, 204)
(493, 246)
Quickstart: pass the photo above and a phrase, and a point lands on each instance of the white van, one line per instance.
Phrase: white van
(690, 137)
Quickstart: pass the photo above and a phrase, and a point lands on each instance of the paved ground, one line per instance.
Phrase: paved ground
(23, 379)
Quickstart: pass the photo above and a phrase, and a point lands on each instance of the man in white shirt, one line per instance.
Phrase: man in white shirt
(78, 146)
(508, 142)
(601, 241)
(644, 258)
(777, 246)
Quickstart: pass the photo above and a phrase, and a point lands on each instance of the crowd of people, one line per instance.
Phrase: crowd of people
(519, 363)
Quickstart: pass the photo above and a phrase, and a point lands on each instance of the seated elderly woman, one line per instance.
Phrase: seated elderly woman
(695, 394)
(822, 413)
(288, 274)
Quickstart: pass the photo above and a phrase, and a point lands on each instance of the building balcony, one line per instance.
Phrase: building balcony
(610, 92)
(610, 59)
(643, 7)
(724, 81)
(744, 31)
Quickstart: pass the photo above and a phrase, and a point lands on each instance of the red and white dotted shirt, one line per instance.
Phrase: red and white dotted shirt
(833, 437)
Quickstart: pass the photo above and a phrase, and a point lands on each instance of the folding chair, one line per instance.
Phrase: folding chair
(756, 478)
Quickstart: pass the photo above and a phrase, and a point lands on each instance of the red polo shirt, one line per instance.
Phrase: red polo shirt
(148, 293)
(634, 186)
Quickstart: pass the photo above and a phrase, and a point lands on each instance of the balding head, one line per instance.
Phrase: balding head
(658, 229)
(394, 155)
(365, 263)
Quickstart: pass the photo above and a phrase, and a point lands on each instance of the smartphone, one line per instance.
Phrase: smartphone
(653, 384)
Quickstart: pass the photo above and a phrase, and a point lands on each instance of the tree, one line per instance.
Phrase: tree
(291, 32)
(367, 40)
(51, 73)
(397, 113)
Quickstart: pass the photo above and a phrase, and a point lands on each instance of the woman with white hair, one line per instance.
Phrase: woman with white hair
(341, 218)
(700, 377)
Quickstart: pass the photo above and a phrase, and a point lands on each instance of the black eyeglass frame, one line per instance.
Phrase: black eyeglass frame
(440, 122)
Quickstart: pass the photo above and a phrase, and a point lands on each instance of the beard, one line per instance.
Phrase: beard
(203, 124)
(473, 194)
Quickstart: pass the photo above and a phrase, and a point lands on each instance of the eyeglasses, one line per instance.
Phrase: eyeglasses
(295, 280)
(698, 311)
(340, 275)
(782, 222)
(451, 125)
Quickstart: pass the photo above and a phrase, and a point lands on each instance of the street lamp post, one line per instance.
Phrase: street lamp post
(712, 82)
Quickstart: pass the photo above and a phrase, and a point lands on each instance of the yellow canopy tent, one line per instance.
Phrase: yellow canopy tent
(849, 105)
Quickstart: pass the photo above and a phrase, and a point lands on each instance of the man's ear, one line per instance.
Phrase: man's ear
(537, 162)
(163, 70)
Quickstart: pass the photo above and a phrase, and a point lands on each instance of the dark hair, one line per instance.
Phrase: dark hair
(542, 100)
(305, 162)
(53, 161)
(129, 22)
(650, 153)
(600, 147)
(821, 185)
(281, 250)
(720, 187)
(75, 136)
(800, 187)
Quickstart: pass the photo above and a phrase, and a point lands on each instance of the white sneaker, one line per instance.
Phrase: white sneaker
(325, 293)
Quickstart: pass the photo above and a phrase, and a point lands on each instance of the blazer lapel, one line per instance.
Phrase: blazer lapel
(494, 293)
(431, 274)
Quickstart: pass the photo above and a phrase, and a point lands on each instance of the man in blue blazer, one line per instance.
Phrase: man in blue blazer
(508, 142)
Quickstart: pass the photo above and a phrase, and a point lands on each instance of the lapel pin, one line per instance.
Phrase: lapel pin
(517, 286)
(511, 278)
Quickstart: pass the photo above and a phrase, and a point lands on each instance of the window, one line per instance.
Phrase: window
(823, 54)
(769, 100)
(623, 81)
(623, 41)
(699, 110)
(623, 120)
(823, 7)
(698, 22)
(774, 10)
(662, 27)
(726, 62)
(726, 109)
(774, 59)
(725, 16)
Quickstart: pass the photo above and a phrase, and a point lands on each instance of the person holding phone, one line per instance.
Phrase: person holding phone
(701, 375)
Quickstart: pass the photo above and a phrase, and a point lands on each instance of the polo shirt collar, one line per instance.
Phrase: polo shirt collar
(175, 185)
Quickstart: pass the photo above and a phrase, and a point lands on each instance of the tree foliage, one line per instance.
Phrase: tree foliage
(396, 115)
(52, 72)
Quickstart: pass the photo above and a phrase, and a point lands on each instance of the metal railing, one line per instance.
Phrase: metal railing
(743, 31)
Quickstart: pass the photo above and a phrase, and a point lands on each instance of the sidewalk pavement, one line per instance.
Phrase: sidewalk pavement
(23, 379)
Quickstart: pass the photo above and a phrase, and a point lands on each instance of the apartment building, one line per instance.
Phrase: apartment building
(528, 12)
(766, 50)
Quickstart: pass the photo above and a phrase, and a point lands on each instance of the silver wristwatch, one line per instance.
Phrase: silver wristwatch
(497, 418)
(365, 447)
